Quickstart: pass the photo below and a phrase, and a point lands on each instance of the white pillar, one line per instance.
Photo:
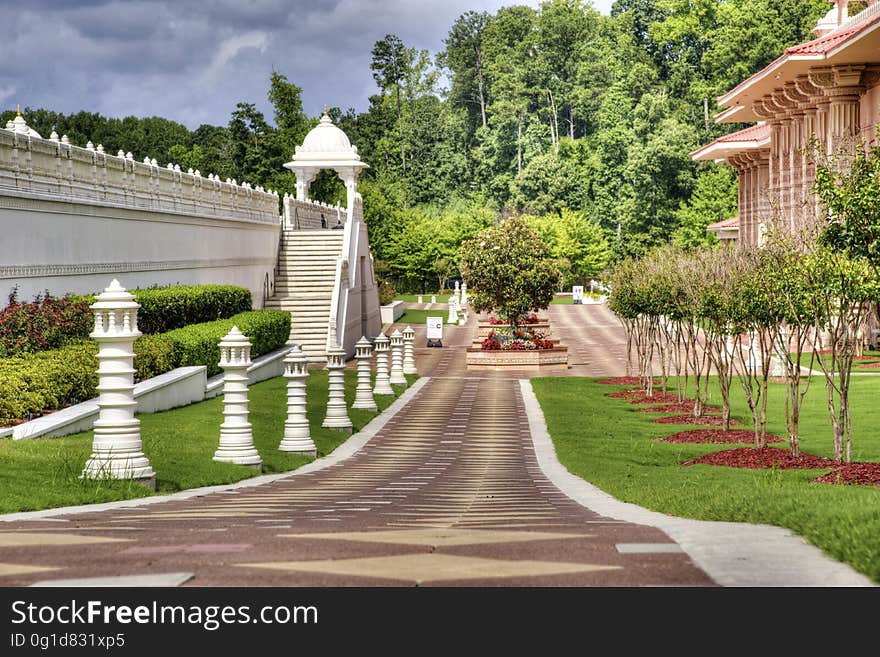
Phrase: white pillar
(409, 362)
(461, 312)
(337, 413)
(364, 397)
(419, 300)
(117, 450)
(453, 314)
(383, 386)
(236, 435)
(396, 376)
(464, 296)
(433, 298)
(297, 438)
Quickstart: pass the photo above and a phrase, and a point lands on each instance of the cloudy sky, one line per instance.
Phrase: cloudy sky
(191, 61)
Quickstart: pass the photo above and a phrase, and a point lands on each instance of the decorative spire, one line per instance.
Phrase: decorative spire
(326, 111)
(18, 111)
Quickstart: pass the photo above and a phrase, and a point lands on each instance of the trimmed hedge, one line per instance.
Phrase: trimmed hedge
(177, 306)
(49, 380)
(45, 323)
(168, 308)
(197, 344)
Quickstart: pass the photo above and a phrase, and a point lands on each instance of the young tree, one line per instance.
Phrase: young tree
(510, 270)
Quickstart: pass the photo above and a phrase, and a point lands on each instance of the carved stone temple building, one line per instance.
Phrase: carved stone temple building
(827, 89)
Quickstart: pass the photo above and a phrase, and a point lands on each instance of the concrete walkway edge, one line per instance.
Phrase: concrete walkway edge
(344, 451)
(731, 553)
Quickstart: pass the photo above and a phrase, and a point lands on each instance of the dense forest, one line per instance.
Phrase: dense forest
(581, 121)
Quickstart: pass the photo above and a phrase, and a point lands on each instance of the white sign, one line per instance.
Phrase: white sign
(435, 328)
(577, 294)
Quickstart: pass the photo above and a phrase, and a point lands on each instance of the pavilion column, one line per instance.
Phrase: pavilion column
(843, 86)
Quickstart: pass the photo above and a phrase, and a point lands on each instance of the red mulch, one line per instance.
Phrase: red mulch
(623, 381)
(766, 457)
(862, 474)
(716, 436)
(867, 366)
(683, 407)
(710, 420)
(639, 397)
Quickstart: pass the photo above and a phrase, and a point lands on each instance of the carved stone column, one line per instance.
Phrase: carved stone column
(337, 412)
(396, 376)
(236, 435)
(364, 397)
(383, 386)
(297, 437)
(117, 447)
(409, 362)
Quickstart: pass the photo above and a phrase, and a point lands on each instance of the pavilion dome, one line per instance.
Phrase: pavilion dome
(326, 146)
(19, 125)
(326, 138)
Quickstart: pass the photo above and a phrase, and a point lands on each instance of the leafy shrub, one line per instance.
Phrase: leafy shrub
(386, 293)
(47, 380)
(168, 308)
(153, 355)
(197, 344)
(45, 323)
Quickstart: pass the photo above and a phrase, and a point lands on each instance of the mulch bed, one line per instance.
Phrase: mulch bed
(764, 458)
(862, 474)
(716, 437)
(639, 397)
(623, 381)
(867, 366)
(683, 407)
(709, 420)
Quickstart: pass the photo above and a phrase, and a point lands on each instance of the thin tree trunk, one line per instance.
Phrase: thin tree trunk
(479, 63)
(400, 126)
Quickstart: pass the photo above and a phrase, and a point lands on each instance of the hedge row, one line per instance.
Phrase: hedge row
(177, 306)
(49, 380)
(47, 322)
(197, 344)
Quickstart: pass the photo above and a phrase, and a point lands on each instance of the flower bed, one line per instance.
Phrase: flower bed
(45, 323)
(484, 329)
(519, 340)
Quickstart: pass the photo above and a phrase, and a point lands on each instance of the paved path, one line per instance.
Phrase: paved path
(448, 492)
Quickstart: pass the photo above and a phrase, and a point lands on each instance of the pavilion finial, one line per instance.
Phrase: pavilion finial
(18, 111)
(326, 111)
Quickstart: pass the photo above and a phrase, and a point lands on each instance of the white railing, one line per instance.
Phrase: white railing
(306, 215)
(52, 167)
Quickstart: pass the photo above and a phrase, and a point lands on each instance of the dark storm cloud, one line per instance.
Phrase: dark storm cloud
(192, 61)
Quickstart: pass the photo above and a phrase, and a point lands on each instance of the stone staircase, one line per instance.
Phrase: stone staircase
(304, 286)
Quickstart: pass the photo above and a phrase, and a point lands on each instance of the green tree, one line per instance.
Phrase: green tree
(510, 270)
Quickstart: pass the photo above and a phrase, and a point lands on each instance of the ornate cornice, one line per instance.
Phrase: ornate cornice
(85, 269)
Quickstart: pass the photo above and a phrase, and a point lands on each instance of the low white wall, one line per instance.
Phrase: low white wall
(267, 366)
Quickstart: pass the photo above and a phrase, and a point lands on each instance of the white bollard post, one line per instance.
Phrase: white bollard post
(409, 362)
(337, 413)
(461, 312)
(419, 300)
(297, 438)
(383, 386)
(464, 296)
(453, 315)
(363, 352)
(117, 450)
(396, 376)
(433, 298)
(236, 435)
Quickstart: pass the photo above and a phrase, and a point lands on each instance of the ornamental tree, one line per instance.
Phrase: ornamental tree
(509, 270)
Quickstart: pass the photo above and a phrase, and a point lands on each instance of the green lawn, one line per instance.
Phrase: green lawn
(415, 317)
(180, 443)
(565, 301)
(609, 444)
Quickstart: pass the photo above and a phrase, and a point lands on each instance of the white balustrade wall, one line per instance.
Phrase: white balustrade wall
(72, 216)
(309, 214)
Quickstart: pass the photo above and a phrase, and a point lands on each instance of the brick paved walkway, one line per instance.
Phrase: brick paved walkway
(448, 492)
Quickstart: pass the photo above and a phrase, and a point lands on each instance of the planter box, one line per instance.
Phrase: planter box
(536, 360)
(484, 328)
(392, 312)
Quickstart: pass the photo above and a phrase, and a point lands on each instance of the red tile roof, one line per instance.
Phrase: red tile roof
(828, 42)
(727, 223)
(754, 133)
